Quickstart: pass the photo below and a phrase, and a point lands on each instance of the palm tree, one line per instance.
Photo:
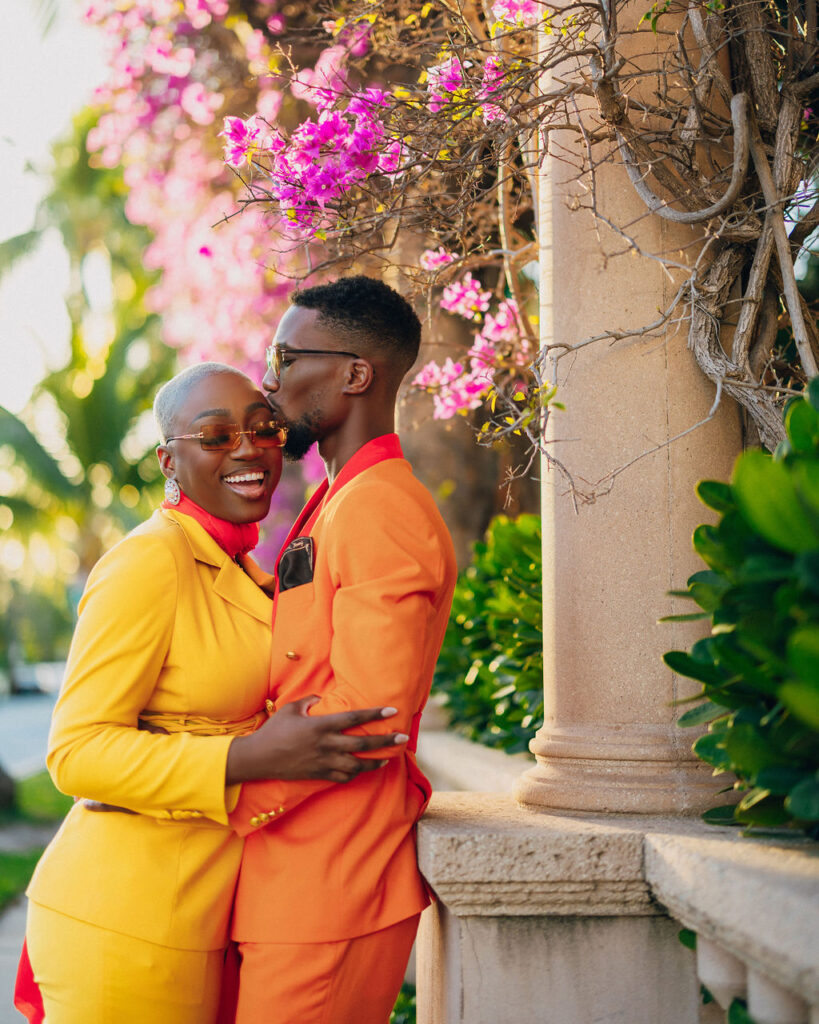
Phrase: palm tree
(78, 442)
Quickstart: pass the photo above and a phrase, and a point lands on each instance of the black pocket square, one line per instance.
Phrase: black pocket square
(296, 564)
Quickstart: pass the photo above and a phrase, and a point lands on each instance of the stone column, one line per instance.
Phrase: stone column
(609, 741)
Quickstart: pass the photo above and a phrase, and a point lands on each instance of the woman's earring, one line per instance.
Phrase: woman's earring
(173, 495)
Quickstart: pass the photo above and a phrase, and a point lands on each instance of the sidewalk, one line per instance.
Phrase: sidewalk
(24, 723)
(13, 919)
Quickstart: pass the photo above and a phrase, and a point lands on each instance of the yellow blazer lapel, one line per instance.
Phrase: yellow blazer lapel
(232, 584)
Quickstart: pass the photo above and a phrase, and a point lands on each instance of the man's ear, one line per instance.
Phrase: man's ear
(165, 457)
(359, 377)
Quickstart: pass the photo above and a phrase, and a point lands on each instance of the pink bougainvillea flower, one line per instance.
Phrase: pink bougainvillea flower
(443, 81)
(466, 298)
(433, 259)
(241, 138)
(199, 104)
(519, 12)
(276, 24)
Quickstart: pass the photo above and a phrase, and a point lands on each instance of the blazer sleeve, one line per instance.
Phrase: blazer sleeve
(122, 637)
(388, 564)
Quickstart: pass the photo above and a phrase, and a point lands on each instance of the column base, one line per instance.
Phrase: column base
(636, 787)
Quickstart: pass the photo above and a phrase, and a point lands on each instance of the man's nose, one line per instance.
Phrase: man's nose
(271, 381)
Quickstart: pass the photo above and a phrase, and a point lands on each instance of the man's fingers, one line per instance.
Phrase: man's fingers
(346, 767)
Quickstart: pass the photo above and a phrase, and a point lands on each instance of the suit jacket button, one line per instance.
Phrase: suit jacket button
(269, 706)
(292, 656)
(254, 821)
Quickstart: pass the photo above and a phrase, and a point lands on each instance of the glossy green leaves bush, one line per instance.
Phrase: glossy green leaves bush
(491, 664)
(759, 668)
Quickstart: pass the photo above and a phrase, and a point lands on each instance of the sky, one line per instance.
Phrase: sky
(43, 81)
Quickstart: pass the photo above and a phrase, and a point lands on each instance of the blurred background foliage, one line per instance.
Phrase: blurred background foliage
(491, 666)
(77, 467)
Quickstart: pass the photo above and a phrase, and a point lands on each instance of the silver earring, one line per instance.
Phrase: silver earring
(173, 495)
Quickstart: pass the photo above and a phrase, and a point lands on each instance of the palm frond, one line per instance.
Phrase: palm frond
(41, 466)
(46, 12)
(15, 248)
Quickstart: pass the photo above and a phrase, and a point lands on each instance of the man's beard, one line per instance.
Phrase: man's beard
(302, 434)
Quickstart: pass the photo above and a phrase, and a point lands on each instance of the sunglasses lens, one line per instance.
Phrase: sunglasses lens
(222, 437)
(274, 361)
(269, 435)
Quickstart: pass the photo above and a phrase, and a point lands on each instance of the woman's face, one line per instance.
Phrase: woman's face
(234, 485)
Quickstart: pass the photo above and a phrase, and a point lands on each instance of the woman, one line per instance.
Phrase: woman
(167, 672)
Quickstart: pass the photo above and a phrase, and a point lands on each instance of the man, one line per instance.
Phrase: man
(329, 893)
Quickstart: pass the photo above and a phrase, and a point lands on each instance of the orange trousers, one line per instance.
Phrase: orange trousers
(351, 982)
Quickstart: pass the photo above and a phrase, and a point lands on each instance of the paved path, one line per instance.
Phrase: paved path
(24, 722)
(12, 928)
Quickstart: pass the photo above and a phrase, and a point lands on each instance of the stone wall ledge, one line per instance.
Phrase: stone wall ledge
(487, 857)
(756, 898)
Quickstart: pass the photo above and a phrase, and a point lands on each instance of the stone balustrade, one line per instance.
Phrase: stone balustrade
(573, 918)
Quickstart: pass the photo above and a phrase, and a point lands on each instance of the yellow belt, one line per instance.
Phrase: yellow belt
(199, 725)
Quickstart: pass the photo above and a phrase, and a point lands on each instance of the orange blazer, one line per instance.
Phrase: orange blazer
(170, 629)
(325, 862)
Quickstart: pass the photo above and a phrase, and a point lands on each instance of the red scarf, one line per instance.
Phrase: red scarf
(235, 538)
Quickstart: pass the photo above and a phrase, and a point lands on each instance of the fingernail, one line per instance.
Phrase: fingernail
(387, 712)
(400, 737)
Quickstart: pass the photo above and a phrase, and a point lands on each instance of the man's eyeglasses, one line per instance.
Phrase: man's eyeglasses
(226, 437)
(277, 353)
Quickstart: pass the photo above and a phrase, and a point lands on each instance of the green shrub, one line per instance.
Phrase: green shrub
(491, 664)
(759, 668)
(404, 1011)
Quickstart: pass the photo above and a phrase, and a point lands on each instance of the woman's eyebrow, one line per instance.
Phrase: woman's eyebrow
(211, 412)
(257, 405)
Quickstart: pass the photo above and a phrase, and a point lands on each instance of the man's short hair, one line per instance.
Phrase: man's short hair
(174, 392)
(370, 314)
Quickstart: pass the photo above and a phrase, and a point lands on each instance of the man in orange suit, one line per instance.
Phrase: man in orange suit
(329, 893)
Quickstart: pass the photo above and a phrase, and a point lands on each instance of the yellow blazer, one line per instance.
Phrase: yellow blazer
(170, 629)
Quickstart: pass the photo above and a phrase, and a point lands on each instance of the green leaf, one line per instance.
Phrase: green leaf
(803, 801)
(802, 699)
(711, 749)
(767, 497)
(687, 938)
(716, 495)
(806, 477)
(807, 570)
(707, 712)
(738, 1013)
(780, 778)
(812, 393)
(802, 426)
(722, 815)
(684, 665)
(803, 653)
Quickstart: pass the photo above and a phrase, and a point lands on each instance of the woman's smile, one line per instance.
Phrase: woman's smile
(251, 484)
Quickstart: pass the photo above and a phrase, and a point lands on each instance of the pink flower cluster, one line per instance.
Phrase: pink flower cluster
(322, 159)
(434, 259)
(457, 387)
(443, 81)
(493, 72)
(217, 295)
(466, 298)
(524, 13)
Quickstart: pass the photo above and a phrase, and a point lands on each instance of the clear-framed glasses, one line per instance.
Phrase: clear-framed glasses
(226, 437)
(276, 353)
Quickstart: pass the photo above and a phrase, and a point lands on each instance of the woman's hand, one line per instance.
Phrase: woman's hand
(294, 745)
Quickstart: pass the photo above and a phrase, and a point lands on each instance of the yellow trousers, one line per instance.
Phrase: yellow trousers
(88, 975)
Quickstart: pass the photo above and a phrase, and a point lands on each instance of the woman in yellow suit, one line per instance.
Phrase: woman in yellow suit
(154, 727)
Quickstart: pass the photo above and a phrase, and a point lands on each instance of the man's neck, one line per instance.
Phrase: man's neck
(340, 446)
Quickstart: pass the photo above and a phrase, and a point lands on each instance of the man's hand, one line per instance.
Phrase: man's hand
(294, 745)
